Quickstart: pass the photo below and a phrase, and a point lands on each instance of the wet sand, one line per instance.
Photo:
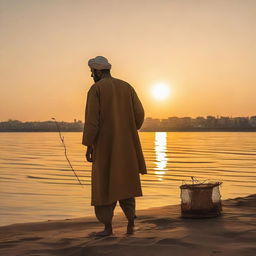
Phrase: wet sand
(159, 231)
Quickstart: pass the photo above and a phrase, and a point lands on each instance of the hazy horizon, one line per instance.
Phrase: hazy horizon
(50, 119)
(204, 51)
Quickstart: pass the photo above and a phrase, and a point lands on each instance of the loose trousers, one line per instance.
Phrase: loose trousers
(104, 213)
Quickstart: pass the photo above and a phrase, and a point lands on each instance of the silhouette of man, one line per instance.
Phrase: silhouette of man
(113, 114)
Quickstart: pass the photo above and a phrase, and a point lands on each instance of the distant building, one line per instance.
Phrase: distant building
(224, 121)
(241, 121)
(174, 122)
(186, 122)
(151, 124)
(252, 121)
(210, 122)
(198, 122)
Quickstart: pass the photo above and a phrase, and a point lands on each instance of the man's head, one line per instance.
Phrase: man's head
(100, 67)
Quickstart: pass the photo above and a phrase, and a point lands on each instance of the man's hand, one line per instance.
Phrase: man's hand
(89, 154)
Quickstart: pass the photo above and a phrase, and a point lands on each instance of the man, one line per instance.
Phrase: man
(112, 116)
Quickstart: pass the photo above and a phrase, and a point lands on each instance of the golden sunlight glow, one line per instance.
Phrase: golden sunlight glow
(160, 91)
(160, 150)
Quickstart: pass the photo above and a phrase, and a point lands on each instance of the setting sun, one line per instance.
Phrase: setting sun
(160, 91)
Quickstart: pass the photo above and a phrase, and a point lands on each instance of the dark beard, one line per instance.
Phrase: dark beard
(96, 78)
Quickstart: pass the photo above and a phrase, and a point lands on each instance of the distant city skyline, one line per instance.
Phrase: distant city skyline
(146, 117)
(209, 123)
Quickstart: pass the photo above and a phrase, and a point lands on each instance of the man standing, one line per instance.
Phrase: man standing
(113, 115)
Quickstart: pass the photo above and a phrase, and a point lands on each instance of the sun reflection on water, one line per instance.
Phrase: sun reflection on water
(160, 150)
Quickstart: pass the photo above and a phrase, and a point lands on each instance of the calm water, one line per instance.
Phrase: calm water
(36, 182)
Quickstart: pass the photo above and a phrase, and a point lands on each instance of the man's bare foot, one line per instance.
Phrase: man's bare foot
(106, 232)
(130, 227)
(103, 233)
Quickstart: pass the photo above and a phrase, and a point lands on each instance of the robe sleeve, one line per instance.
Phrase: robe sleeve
(92, 116)
(138, 109)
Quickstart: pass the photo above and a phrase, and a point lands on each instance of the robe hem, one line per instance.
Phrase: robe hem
(111, 202)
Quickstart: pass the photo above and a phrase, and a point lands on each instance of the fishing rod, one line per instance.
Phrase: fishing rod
(65, 149)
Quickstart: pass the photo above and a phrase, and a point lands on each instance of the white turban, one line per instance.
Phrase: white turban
(99, 63)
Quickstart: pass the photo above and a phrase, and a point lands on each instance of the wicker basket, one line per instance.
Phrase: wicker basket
(200, 200)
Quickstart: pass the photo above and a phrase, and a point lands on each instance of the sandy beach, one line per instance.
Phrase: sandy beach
(159, 231)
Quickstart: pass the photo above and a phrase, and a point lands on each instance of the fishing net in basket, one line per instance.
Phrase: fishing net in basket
(200, 199)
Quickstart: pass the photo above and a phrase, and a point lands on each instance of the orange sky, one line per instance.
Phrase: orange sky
(205, 50)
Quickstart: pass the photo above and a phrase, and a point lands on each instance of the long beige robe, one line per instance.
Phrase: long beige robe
(112, 116)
